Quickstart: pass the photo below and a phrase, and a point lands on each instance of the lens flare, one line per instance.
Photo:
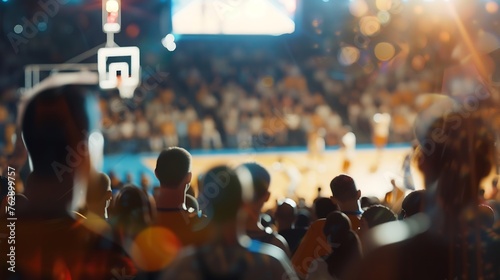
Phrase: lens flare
(154, 248)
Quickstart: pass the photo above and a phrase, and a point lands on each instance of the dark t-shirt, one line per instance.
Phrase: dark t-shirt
(293, 236)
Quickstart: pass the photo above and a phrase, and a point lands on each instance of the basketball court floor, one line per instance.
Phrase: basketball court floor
(297, 174)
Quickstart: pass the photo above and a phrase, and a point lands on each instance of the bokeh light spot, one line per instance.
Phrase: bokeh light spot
(348, 55)
(154, 248)
(384, 17)
(369, 26)
(384, 51)
(491, 7)
(396, 7)
(169, 42)
(133, 30)
(418, 62)
(18, 29)
(358, 8)
(383, 5)
(444, 37)
(42, 26)
(112, 6)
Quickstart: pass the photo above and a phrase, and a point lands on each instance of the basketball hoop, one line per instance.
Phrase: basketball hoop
(125, 90)
(123, 75)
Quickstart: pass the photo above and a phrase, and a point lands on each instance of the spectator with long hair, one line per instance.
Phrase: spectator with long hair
(456, 152)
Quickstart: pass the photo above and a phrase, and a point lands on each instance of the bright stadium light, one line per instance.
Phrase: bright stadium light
(111, 16)
(169, 42)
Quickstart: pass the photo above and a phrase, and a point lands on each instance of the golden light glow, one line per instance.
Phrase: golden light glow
(384, 51)
(154, 248)
(383, 5)
(369, 26)
(444, 37)
(348, 55)
(418, 62)
(418, 10)
(491, 7)
(358, 8)
(469, 44)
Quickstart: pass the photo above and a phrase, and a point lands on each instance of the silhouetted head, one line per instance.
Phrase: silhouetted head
(261, 180)
(286, 213)
(221, 196)
(60, 129)
(173, 167)
(131, 209)
(376, 215)
(367, 201)
(344, 242)
(303, 219)
(324, 206)
(99, 195)
(104, 184)
(456, 152)
(344, 189)
(337, 224)
(413, 203)
(57, 127)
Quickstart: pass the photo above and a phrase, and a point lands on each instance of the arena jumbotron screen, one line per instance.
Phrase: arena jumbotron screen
(234, 17)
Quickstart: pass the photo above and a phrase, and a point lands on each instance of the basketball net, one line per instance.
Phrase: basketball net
(126, 91)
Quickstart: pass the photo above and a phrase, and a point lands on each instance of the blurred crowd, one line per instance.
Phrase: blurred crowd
(257, 100)
(243, 100)
(71, 221)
